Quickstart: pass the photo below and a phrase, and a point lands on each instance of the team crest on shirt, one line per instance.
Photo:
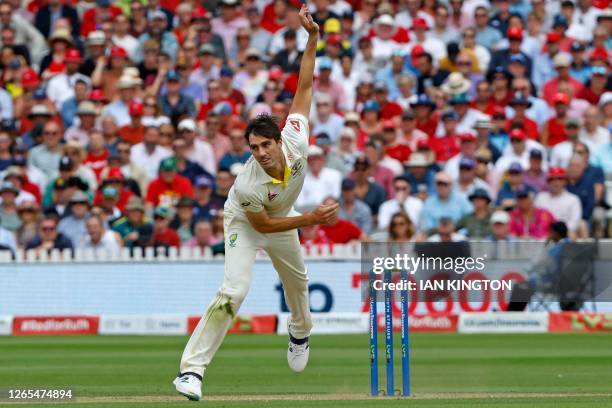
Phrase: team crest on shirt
(232, 239)
(295, 124)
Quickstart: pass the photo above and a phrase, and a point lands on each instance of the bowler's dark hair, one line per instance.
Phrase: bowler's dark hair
(263, 125)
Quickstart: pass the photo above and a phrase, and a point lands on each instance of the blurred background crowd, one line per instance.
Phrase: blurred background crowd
(122, 122)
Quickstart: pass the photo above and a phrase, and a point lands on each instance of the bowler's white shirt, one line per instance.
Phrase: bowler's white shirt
(255, 190)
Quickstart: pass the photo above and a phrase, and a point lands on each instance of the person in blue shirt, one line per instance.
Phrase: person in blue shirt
(444, 203)
(239, 151)
(419, 173)
(580, 69)
(581, 185)
(506, 197)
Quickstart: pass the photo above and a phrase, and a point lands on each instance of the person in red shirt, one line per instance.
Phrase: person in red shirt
(562, 63)
(520, 104)
(97, 153)
(426, 119)
(554, 128)
(342, 231)
(274, 16)
(113, 177)
(134, 132)
(388, 109)
(215, 96)
(483, 101)
(500, 79)
(446, 146)
(166, 189)
(103, 12)
(599, 83)
(394, 147)
(163, 235)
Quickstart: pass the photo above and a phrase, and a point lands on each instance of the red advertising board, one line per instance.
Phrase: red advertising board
(568, 322)
(50, 325)
(423, 323)
(260, 324)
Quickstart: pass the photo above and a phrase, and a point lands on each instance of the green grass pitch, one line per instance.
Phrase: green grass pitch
(448, 370)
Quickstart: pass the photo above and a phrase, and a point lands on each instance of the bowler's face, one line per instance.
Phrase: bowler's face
(266, 151)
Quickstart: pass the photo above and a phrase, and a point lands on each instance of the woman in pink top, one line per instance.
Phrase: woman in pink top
(526, 221)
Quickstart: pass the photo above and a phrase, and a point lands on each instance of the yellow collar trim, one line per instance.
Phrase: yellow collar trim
(285, 177)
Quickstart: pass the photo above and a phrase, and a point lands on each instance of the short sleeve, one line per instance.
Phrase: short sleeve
(249, 200)
(296, 133)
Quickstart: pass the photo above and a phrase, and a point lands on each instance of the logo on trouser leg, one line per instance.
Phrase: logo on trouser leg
(232, 239)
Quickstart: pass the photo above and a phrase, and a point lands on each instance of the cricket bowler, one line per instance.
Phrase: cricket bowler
(259, 214)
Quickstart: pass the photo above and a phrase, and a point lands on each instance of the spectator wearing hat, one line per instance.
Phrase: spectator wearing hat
(81, 131)
(476, 225)
(29, 214)
(433, 45)
(386, 36)
(500, 230)
(9, 218)
(519, 104)
(467, 149)
(597, 84)
(388, 109)
(204, 205)
(447, 145)
(528, 221)
(173, 103)
(535, 175)
(66, 171)
(163, 234)
(483, 129)
(543, 65)
(420, 173)
(554, 131)
(561, 62)
(169, 186)
(27, 190)
(501, 58)
(99, 238)
(158, 31)
(133, 133)
(353, 209)
(404, 18)
(103, 11)
(197, 150)
(68, 111)
(320, 181)
(409, 134)
(46, 156)
(135, 229)
(564, 205)
(252, 78)
(579, 69)
(61, 87)
(73, 225)
(25, 32)
(562, 152)
(324, 84)
(370, 117)
(518, 151)
(49, 237)
(402, 201)
(467, 181)
(95, 47)
(506, 197)
(119, 109)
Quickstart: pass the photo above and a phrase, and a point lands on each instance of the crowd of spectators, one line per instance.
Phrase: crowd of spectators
(122, 122)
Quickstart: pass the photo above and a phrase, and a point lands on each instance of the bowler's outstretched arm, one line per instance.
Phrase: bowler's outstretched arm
(303, 95)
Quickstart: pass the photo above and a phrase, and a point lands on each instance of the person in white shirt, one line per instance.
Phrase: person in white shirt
(99, 238)
(259, 214)
(592, 132)
(325, 120)
(61, 87)
(518, 151)
(434, 46)
(320, 182)
(402, 201)
(467, 150)
(122, 38)
(148, 154)
(561, 153)
(198, 150)
(562, 204)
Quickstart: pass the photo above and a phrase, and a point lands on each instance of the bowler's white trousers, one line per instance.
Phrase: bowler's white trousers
(283, 249)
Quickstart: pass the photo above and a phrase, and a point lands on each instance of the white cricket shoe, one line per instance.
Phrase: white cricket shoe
(297, 356)
(189, 385)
